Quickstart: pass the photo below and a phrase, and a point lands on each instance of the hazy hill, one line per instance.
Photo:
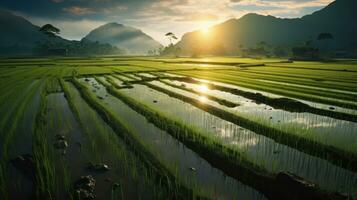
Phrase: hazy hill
(338, 18)
(133, 40)
(19, 36)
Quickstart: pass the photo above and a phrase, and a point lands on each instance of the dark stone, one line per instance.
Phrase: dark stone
(332, 108)
(84, 188)
(60, 137)
(61, 144)
(25, 164)
(99, 97)
(99, 167)
(116, 185)
(155, 101)
(86, 79)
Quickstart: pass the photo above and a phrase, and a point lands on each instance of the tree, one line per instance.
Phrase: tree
(50, 30)
(240, 50)
(325, 37)
(280, 51)
(305, 53)
(171, 37)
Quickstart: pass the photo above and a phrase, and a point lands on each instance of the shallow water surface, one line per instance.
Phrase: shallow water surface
(258, 149)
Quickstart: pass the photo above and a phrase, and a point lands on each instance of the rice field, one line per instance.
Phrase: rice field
(177, 128)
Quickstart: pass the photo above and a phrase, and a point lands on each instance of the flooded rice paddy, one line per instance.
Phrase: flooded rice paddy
(109, 131)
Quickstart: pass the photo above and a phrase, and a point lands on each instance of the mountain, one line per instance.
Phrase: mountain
(19, 36)
(133, 40)
(338, 18)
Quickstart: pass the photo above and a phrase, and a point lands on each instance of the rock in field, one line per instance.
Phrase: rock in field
(25, 164)
(99, 167)
(61, 144)
(84, 188)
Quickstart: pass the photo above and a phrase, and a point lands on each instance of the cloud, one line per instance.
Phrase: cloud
(157, 16)
(199, 17)
(290, 4)
(76, 10)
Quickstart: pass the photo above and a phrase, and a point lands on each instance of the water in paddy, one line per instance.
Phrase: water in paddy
(339, 133)
(209, 180)
(124, 78)
(310, 103)
(147, 75)
(17, 139)
(257, 148)
(100, 144)
(67, 162)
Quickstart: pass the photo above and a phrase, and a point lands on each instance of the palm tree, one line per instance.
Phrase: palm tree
(171, 37)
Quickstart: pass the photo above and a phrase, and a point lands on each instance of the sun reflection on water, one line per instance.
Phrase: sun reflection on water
(203, 88)
(203, 99)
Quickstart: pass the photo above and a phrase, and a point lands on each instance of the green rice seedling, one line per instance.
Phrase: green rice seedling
(163, 173)
(228, 160)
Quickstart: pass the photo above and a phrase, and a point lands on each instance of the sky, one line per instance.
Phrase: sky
(76, 18)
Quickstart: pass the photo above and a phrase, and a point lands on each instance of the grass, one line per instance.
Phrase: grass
(330, 83)
(277, 103)
(303, 143)
(102, 145)
(228, 160)
(210, 97)
(284, 90)
(166, 177)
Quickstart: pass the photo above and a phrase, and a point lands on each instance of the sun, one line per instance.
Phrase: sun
(205, 30)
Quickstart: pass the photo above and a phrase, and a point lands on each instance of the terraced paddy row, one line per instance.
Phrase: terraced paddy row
(177, 128)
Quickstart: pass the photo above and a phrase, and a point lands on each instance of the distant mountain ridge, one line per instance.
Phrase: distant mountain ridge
(19, 36)
(338, 18)
(133, 40)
